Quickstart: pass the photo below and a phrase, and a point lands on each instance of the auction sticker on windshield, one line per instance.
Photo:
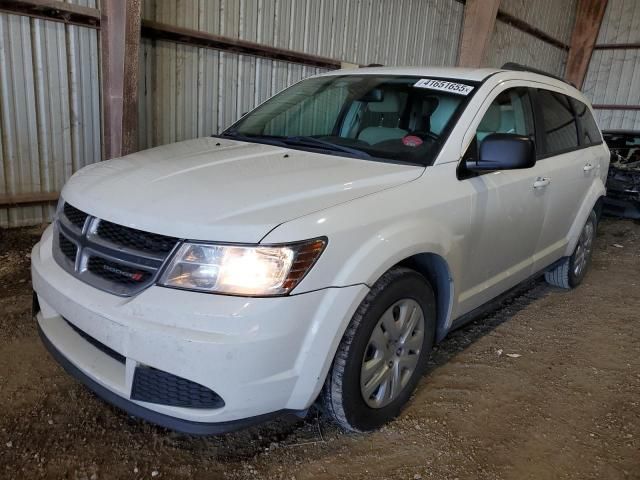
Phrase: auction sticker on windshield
(444, 86)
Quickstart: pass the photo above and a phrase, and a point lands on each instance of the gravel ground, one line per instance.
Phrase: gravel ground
(545, 386)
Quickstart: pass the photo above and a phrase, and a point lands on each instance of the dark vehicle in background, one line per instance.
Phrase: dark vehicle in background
(623, 182)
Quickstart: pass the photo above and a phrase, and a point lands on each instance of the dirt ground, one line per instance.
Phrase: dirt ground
(547, 386)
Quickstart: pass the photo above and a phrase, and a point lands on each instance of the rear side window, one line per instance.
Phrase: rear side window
(559, 123)
(590, 132)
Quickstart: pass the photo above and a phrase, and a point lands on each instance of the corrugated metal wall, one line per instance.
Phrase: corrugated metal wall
(49, 108)
(49, 72)
(614, 75)
(187, 91)
(508, 44)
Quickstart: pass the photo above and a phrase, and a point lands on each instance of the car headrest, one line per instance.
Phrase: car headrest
(389, 104)
(429, 105)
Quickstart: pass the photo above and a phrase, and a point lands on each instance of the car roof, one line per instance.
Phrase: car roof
(464, 74)
(470, 74)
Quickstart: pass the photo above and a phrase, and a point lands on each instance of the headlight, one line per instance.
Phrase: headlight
(241, 270)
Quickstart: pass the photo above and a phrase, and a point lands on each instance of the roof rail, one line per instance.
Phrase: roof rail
(523, 68)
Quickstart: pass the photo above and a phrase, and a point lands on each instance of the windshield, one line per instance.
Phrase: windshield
(385, 117)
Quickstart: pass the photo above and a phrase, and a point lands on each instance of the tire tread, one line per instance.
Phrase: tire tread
(559, 276)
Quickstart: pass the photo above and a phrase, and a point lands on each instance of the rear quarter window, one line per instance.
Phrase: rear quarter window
(590, 133)
(560, 129)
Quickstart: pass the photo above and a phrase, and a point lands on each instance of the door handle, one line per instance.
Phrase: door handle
(588, 167)
(541, 182)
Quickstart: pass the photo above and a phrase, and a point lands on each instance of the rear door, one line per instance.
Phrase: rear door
(564, 163)
(589, 135)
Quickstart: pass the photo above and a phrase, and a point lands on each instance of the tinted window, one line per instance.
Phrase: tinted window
(559, 123)
(510, 112)
(590, 131)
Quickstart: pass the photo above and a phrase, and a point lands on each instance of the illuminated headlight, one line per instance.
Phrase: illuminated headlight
(241, 270)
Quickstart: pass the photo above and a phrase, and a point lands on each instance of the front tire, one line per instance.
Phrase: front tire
(570, 272)
(383, 353)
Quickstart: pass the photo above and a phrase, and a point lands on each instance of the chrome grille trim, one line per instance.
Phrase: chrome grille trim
(90, 245)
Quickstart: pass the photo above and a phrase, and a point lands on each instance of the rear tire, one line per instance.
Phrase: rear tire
(570, 272)
(383, 352)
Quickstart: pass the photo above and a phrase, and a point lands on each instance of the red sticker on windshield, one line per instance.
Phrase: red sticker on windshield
(412, 141)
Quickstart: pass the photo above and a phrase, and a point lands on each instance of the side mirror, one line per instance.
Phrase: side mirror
(504, 151)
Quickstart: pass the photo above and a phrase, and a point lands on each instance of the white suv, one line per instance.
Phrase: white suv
(319, 247)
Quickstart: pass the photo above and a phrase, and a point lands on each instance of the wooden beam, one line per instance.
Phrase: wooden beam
(608, 106)
(617, 46)
(589, 15)
(477, 29)
(28, 199)
(120, 40)
(55, 10)
(161, 31)
(530, 29)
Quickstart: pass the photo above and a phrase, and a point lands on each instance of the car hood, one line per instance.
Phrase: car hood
(224, 190)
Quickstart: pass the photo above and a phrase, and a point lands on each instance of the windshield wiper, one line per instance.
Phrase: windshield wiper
(317, 142)
(268, 139)
(299, 140)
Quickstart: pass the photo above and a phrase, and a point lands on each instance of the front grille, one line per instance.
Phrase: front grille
(116, 272)
(114, 258)
(67, 247)
(100, 346)
(135, 239)
(155, 386)
(75, 216)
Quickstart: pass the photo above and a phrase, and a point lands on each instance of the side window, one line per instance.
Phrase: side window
(590, 132)
(510, 112)
(559, 123)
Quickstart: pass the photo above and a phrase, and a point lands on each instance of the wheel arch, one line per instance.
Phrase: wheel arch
(436, 270)
(592, 201)
(599, 206)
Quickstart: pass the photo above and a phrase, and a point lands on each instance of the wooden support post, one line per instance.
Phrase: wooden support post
(478, 26)
(585, 33)
(120, 40)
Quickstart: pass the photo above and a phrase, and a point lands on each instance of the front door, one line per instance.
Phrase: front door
(507, 209)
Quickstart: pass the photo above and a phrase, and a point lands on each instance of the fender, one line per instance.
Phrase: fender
(362, 246)
(398, 224)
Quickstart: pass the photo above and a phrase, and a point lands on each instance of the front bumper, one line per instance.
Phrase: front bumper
(260, 355)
